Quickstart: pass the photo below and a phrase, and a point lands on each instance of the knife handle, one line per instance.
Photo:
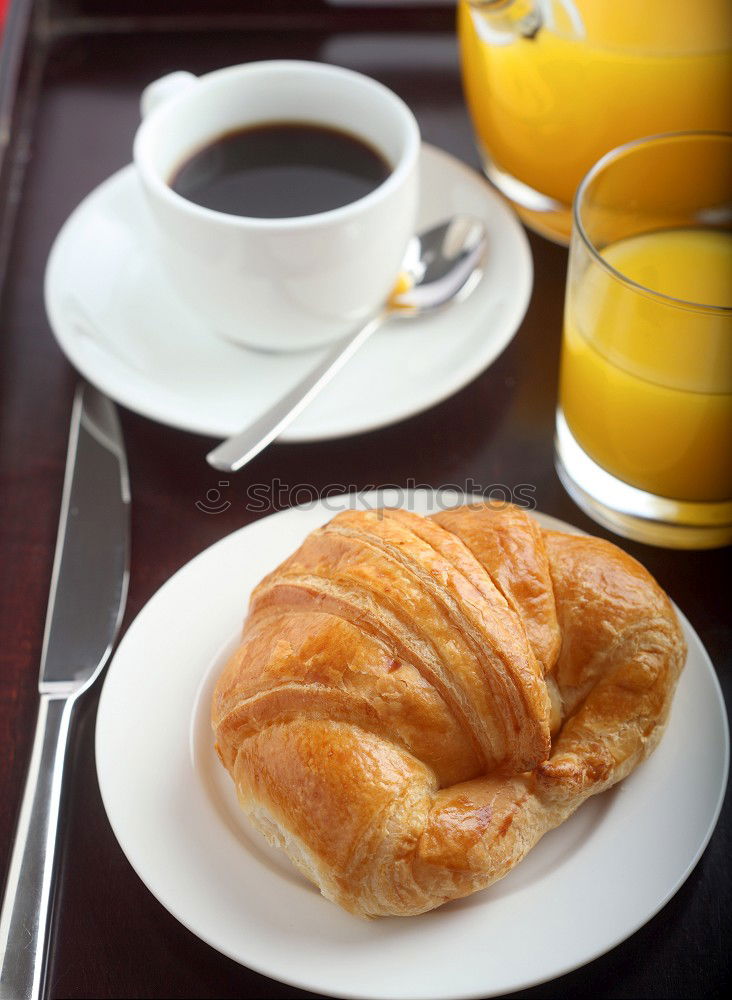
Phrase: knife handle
(24, 921)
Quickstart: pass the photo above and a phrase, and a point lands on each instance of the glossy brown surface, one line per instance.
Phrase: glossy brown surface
(386, 639)
(113, 938)
(280, 170)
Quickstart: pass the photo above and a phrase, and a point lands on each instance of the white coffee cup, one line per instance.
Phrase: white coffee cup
(279, 284)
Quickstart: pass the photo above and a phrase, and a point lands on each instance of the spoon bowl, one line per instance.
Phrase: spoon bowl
(442, 265)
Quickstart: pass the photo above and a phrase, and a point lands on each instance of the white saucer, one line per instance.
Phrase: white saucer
(584, 888)
(120, 324)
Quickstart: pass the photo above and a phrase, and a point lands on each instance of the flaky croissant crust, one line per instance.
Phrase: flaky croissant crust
(416, 701)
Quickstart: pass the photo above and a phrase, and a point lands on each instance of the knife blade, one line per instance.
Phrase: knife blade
(86, 602)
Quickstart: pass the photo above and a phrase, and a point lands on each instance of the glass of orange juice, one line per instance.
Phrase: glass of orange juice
(644, 423)
(553, 85)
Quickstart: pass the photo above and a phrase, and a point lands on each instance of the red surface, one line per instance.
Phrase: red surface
(113, 939)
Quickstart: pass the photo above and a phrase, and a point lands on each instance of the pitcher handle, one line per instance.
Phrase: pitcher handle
(500, 22)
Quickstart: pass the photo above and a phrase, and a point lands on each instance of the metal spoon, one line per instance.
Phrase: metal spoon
(444, 264)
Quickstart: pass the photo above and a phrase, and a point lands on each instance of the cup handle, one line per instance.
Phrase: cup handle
(159, 91)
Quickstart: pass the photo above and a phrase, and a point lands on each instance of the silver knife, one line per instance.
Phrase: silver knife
(86, 602)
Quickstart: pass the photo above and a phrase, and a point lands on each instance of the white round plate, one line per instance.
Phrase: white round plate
(121, 325)
(174, 811)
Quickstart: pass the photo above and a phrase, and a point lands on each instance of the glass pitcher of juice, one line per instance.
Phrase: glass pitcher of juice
(553, 85)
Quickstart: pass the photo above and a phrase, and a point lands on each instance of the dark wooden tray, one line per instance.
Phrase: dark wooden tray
(70, 95)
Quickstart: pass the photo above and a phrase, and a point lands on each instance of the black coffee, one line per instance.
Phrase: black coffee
(280, 170)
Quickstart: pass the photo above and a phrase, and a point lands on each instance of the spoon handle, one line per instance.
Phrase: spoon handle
(234, 453)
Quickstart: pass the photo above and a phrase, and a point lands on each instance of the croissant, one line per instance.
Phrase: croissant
(417, 700)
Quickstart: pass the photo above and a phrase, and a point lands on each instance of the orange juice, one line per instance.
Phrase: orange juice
(546, 108)
(646, 381)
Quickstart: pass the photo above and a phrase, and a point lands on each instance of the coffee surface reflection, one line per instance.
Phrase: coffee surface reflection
(280, 170)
